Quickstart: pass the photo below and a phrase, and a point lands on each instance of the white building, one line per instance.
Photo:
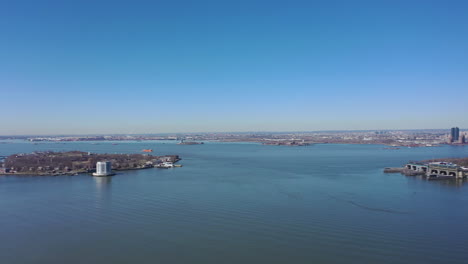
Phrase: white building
(165, 165)
(103, 168)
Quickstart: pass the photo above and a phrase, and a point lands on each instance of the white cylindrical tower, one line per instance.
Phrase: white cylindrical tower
(103, 168)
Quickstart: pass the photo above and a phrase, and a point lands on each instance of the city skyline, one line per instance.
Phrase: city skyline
(446, 131)
(99, 67)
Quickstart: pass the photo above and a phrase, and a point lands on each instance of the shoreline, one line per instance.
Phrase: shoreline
(273, 142)
(71, 163)
(71, 173)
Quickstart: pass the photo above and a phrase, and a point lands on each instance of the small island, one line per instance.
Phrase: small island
(76, 162)
(286, 143)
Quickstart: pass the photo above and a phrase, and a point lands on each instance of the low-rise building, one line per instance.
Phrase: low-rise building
(438, 169)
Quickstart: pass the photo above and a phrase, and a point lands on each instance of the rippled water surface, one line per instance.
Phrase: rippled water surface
(237, 203)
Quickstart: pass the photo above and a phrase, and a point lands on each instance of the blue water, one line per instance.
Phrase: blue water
(237, 203)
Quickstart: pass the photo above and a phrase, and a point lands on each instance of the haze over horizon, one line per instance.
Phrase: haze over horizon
(462, 130)
(134, 67)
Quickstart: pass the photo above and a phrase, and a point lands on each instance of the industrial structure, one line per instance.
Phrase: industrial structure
(438, 170)
(103, 168)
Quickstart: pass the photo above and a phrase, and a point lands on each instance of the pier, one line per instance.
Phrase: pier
(431, 170)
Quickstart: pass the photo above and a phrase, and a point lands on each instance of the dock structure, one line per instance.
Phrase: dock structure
(417, 166)
(436, 170)
(447, 169)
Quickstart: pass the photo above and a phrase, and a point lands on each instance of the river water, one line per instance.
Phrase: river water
(237, 203)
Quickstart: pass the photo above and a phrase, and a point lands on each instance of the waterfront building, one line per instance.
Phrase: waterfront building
(435, 170)
(417, 166)
(449, 139)
(455, 134)
(462, 139)
(446, 169)
(165, 165)
(103, 168)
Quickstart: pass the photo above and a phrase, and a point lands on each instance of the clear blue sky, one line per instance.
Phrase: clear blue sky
(192, 66)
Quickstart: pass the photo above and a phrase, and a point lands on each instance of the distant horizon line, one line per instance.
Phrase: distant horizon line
(228, 132)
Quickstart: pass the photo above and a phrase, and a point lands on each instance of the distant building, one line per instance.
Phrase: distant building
(450, 139)
(103, 168)
(434, 170)
(454, 134)
(462, 139)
